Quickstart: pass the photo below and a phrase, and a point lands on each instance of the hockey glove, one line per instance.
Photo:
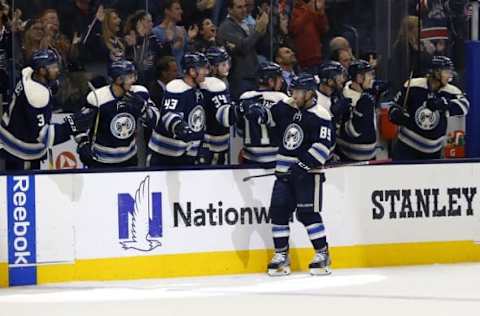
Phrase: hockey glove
(183, 132)
(380, 87)
(133, 103)
(298, 170)
(80, 122)
(398, 116)
(84, 149)
(437, 103)
(257, 113)
(340, 107)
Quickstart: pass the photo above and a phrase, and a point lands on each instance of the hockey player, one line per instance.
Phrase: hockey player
(215, 147)
(357, 135)
(117, 107)
(178, 135)
(421, 110)
(260, 146)
(332, 77)
(306, 142)
(26, 131)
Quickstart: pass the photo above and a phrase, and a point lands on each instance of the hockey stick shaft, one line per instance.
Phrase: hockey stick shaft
(97, 103)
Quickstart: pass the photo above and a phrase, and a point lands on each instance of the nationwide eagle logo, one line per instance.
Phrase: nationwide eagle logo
(293, 137)
(140, 218)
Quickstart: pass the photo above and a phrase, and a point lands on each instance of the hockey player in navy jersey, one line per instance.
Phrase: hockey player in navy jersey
(357, 135)
(332, 77)
(218, 110)
(306, 142)
(26, 131)
(178, 135)
(421, 110)
(259, 144)
(118, 107)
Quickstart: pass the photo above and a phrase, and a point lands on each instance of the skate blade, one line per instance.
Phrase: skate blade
(279, 272)
(320, 271)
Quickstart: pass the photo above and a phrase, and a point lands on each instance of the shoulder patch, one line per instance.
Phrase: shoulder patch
(103, 95)
(417, 82)
(38, 95)
(352, 94)
(450, 88)
(213, 84)
(177, 86)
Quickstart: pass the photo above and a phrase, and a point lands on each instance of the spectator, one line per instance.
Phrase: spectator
(286, 58)
(168, 33)
(141, 44)
(196, 10)
(33, 40)
(339, 42)
(307, 26)
(240, 40)
(79, 14)
(343, 56)
(5, 50)
(249, 19)
(66, 50)
(208, 36)
(165, 71)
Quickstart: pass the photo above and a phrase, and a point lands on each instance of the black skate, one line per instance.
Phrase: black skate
(279, 265)
(321, 263)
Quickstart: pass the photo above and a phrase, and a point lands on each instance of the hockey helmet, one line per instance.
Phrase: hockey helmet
(304, 81)
(359, 66)
(121, 68)
(43, 58)
(441, 62)
(330, 70)
(268, 70)
(217, 55)
(194, 60)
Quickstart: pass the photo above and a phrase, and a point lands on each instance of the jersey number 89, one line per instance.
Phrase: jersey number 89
(326, 133)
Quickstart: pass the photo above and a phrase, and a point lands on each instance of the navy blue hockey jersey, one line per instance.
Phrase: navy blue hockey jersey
(425, 130)
(306, 135)
(25, 130)
(113, 136)
(259, 140)
(357, 135)
(181, 102)
(218, 114)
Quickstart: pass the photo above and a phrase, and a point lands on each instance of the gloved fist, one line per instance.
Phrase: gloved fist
(437, 103)
(298, 170)
(132, 103)
(340, 106)
(257, 113)
(80, 122)
(398, 116)
(84, 149)
(183, 132)
(380, 87)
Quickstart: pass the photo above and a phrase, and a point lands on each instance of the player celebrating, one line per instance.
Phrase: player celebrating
(422, 108)
(26, 131)
(260, 147)
(306, 142)
(178, 135)
(117, 107)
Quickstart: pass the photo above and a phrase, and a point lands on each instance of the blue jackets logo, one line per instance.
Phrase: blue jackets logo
(140, 218)
(22, 253)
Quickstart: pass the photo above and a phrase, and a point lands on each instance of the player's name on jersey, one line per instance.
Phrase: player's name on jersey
(422, 203)
(187, 216)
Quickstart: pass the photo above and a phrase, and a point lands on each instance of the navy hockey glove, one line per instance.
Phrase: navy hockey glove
(380, 87)
(437, 103)
(257, 113)
(84, 149)
(397, 115)
(298, 170)
(183, 132)
(340, 106)
(132, 103)
(80, 122)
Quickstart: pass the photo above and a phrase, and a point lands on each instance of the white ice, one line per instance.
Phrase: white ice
(419, 290)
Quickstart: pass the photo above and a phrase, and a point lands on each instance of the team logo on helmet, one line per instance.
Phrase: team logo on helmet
(293, 137)
(196, 119)
(123, 125)
(426, 119)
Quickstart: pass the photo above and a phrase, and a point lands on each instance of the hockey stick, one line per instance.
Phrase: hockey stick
(97, 104)
(329, 166)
